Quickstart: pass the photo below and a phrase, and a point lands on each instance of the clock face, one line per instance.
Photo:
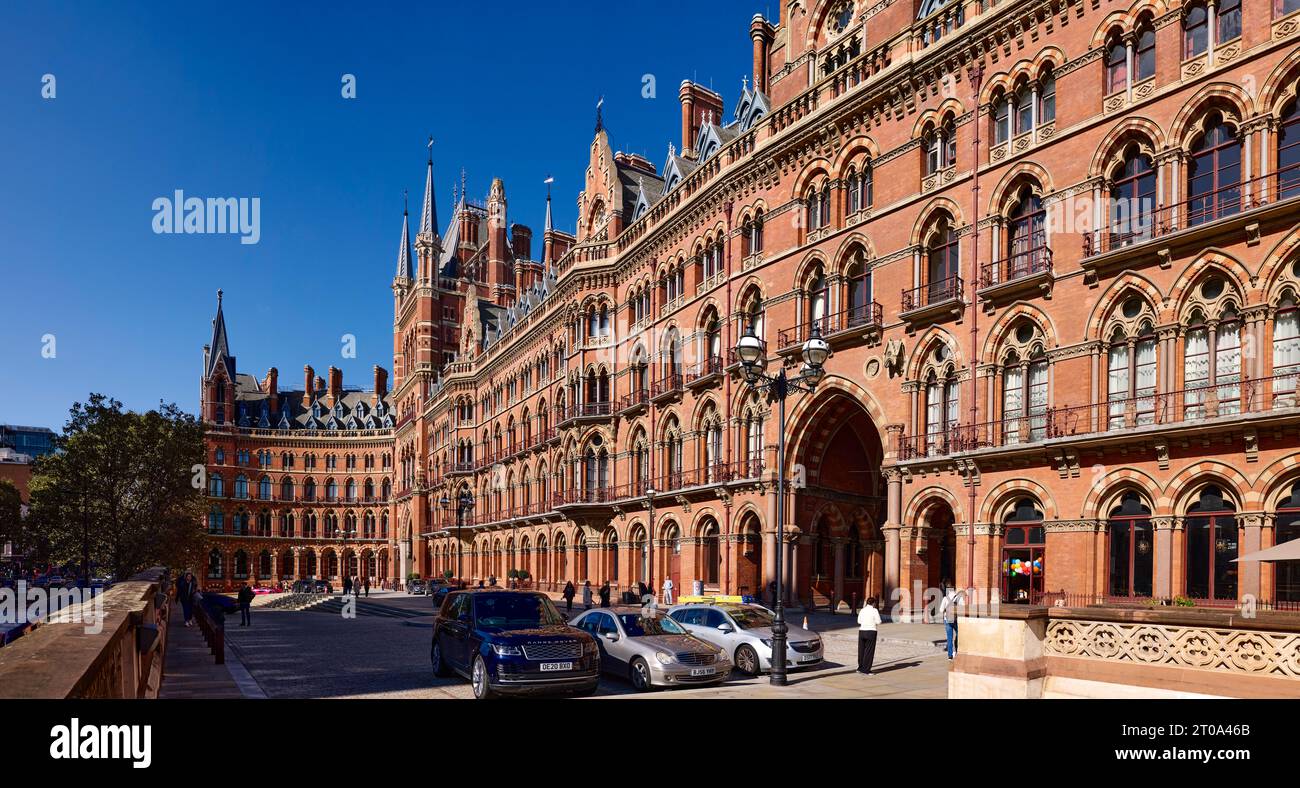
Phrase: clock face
(843, 18)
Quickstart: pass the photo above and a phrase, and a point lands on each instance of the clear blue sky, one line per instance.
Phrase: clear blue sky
(244, 101)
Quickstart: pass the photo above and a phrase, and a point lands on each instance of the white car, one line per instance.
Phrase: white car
(745, 631)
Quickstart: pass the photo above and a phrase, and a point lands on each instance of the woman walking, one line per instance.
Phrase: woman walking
(185, 595)
(586, 594)
(568, 593)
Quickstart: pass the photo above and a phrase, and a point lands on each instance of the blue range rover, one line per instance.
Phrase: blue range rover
(512, 642)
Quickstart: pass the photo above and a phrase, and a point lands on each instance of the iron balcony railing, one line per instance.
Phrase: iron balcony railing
(1018, 265)
(871, 314)
(931, 293)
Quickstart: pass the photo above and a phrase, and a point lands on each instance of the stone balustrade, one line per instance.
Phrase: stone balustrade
(124, 659)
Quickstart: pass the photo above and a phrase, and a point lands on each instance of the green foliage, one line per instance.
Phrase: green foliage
(413, 576)
(448, 574)
(126, 492)
(11, 521)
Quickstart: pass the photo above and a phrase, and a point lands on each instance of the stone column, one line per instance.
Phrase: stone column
(1163, 582)
(839, 573)
(1251, 525)
(893, 516)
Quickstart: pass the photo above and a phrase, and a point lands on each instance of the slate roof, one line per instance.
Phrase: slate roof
(253, 409)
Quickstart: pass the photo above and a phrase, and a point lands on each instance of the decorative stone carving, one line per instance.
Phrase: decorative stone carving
(1234, 651)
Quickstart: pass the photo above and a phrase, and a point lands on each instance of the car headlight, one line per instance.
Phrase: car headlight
(817, 644)
(664, 657)
(506, 651)
(767, 642)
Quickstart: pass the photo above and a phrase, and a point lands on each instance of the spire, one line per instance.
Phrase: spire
(404, 251)
(600, 124)
(429, 215)
(549, 180)
(219, 348)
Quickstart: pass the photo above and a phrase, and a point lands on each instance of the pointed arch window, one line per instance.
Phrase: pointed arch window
(1196, 31)
(1144, 58)
(859, 293)
(941, 411)
(816, 298)
(1288, 150)
(1130, 548)
(1001, 118)
(1131, 378)
(1024, 398)
(1024, 109)
(1227, 18)
(1286, 351)
(1116, 65)
(1026, 236)
(1214, 174)
(1132, 200)
(264, 488)
(943, 264)
(1211, 545)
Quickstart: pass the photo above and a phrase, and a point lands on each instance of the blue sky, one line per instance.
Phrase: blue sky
(246, 102)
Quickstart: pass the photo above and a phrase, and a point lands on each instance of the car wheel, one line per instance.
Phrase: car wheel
(478, 679)
(747, 660)
(640, 675)
(439, 664)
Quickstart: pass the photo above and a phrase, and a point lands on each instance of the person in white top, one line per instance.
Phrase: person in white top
(668, 590)
(868, 621)
(948, 612)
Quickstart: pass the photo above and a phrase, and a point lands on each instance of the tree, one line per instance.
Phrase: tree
(11, 510)
(123, 493)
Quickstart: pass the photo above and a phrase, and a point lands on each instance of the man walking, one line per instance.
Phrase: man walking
(367, 586)
(245, 606)
(668, 590)
(868, 621)
(948, 612)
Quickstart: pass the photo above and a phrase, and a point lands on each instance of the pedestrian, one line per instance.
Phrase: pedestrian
(771, 592)
(586, 594)
(568, 593)
(347, 585)
(668, 590)
(185, 595)
(604, 594)
(367, 586)
(868, 621)
(245, 606)
(492, 581)
(948, 612)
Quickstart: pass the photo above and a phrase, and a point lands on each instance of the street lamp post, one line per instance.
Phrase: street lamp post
(647, 569)
(464, 503)
(814, 353)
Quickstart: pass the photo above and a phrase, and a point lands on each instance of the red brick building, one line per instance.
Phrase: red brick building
(1053, 245)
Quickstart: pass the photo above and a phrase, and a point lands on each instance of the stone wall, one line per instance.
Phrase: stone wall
(123, 660)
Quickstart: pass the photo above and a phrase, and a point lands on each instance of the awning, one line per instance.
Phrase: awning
(1287, 551)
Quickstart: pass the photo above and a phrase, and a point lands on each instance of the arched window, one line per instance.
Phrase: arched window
(1212, 359)
(753, 438)
(1286, 350)
(1288, 150)
(241, 486)
(216, 521)
(756, 233)
(1024, 397)
(821, 551)
(751, 313)
(1024, 109)
(286, 489)
(943, 262)
(1131, 377)
(941, 409)
(1144, 60)
(1227, 17)
(215, 565)
(1116, 64)
(1214, 173)
(1047, 97)
(859, 293)
(1001, 117)
(216, 488)
(710, 553)
(1286, 574)
(673, 455)
(940, 146)
(1196, 31)
(1210, 531)
(1023, 553)
(815, 305)
(1130, 548)
(1132, 199)
(286, 526)
(713, 337)
(1026, 237)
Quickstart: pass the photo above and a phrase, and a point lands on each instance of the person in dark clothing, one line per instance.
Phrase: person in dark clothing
(245, 606)
(569, 592)
(604, 595)
(366, 586)
(347, 585)
(185, 595)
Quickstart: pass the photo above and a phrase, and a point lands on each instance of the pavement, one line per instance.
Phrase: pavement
(191, 671)
(383, 652)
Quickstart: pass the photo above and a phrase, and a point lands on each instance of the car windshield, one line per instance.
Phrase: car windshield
(515, 611)
(750, 617)
(637, 625)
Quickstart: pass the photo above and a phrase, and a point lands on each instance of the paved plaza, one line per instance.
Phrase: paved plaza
(384, 653)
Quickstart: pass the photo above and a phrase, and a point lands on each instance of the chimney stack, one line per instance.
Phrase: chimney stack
(381, 384)
(762, 33)
(273, 388)
(309, 377)
(521, 238)
(336, 386)
(699, 104)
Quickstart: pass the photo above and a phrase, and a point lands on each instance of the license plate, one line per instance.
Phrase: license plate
(549, 666)
(809, 658)
(703, 671)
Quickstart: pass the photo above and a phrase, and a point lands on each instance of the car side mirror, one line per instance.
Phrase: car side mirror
(725, 627)
(612, 637)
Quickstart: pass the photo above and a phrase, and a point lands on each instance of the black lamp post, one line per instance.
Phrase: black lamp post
(464, 503)
(814, 353)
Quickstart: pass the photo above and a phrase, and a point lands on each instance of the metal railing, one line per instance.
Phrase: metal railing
(1017, 265)
(871, 314)
(931, 293)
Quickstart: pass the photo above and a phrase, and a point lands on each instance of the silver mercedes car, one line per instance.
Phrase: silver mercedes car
(746, 632)
(652, 650)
